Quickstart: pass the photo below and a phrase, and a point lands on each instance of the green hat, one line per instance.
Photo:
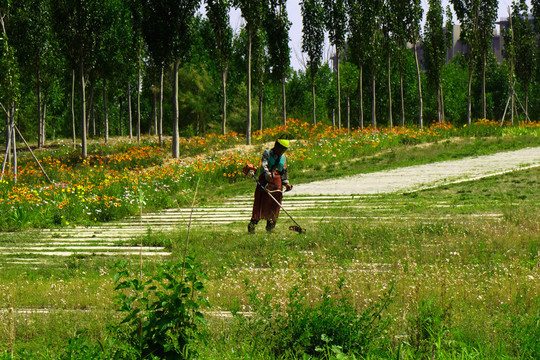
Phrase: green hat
(283, 142)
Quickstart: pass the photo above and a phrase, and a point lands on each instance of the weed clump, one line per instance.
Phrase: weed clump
(331, 325)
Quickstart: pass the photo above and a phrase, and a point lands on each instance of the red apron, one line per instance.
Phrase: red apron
(264, 207)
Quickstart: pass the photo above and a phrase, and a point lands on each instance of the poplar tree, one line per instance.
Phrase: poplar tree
(253, 14)
(110, 56)
(400, 11)
(487, 18)
(77, 24)
(166, 29)
(277, 28)
(32, 38)
(374, 11)
(524, 45)
(218, 15)
(389, 32)
(435, 50)
(413, 20)
(313, 42)
(477, 23)
(260, 69)
(9, 84)
(360, 29)
(535, 7)
(336, 24)
(349, 83)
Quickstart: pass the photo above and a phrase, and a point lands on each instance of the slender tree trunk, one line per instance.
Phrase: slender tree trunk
(105, 110)
(348, 111)
(154, 111)
(469, 97)
(248, 122)
(419, 77)
(361, 98)
(130, 119)
(139, 79)
(390, 117)
(120, 117)
(284, 97)
(44, 121)
(7, 158)
(91, 112)
(484, 110)
(176, 134)
(224, 102)
(314, 106)
(526, 102)
(402, 115)
(373, 101)
(73, 107)
(160, 122)
(439, 104)
(513, 107)
(14, 143)
(40, 119)
(338, 90)
(442, 104)
(83, 113)
(260, 115)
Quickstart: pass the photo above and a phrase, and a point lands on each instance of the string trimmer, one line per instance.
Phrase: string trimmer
(249, 170)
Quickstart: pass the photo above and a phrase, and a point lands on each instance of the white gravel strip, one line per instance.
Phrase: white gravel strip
(421, 176)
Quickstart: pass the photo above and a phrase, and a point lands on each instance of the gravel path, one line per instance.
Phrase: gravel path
(422, 176)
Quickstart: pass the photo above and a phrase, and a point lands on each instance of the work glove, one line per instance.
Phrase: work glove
(288, 187)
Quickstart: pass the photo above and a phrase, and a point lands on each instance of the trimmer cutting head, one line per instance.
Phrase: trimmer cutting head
(298, 229)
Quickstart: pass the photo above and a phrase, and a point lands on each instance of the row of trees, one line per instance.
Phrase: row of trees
(76, 65)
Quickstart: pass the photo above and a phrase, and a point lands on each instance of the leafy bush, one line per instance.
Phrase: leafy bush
(162, 317)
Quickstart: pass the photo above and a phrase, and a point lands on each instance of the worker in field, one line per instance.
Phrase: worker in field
(274, 179)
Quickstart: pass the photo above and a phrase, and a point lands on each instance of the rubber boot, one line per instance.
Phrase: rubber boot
(270, 225)
(251, 226)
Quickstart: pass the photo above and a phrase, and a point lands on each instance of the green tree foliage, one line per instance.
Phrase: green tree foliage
(336, 24)
(9, 82)
(124, 51)
(477, 22)
(32, 39)
(413, 19)
(486, 24)
(375, 21)
(253, 12)
(111, 57)
(349, 84)
(359, 43)
(78, 26)
(166, 28)
(260, 69)
(435, 50)
(277, 28)
(523, 42)
(313, 42)
(218, 15)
